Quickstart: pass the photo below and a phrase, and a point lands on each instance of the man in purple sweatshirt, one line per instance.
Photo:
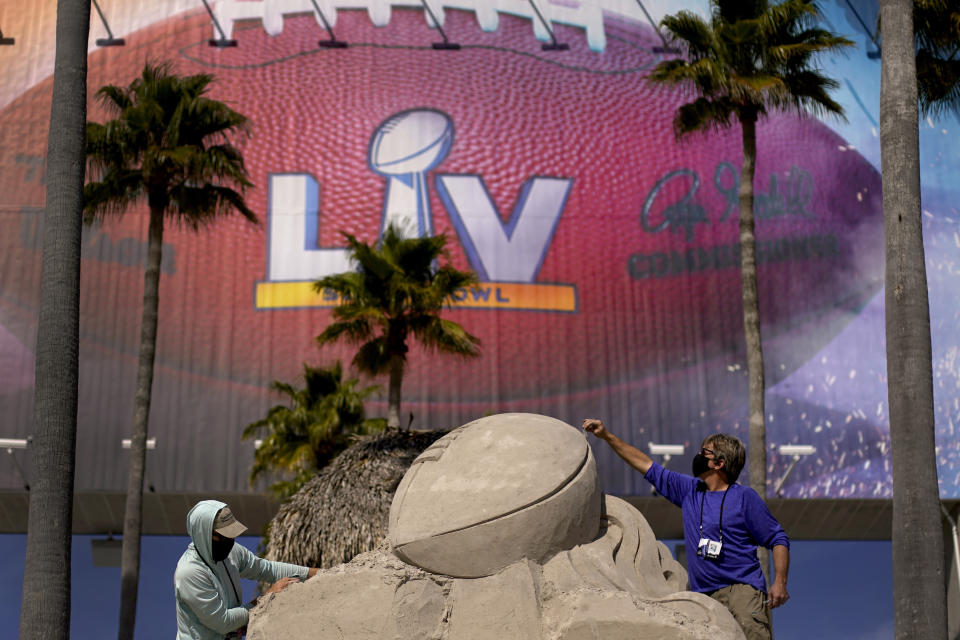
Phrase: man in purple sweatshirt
(724, 522)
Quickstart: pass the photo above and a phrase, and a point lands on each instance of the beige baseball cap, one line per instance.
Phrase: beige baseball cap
(227, 525)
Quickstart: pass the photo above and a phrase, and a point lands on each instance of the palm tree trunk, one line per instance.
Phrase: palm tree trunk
(751, 323)
(920, 609)
(393, 399)
(45, 608)
(133, 513)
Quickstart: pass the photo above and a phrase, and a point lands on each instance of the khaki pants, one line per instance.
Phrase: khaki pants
(748, 608)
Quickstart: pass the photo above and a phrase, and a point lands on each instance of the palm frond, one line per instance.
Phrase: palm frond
(112, 195)
(690, 30)
(727, 11)
(368, 259)
(114, 98)
(786, 17)
(373, 357)
(937, 28)
(809, 92)
(704, 114)
(349, 285)
(447, 336)
(285, 388)
(448, 280)
(357, 328)
(939, 84)
(742, 35)
(200, 206)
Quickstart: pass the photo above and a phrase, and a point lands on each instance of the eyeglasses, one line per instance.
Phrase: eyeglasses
(708, 452)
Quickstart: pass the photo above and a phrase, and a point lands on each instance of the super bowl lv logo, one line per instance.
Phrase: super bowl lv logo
(505, 255)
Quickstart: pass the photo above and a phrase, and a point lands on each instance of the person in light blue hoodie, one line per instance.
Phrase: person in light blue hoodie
(207, 580)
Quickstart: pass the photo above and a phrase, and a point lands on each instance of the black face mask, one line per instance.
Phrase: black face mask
(701, 464)
(221, 549)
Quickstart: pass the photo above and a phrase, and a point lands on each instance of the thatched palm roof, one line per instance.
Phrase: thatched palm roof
(343, 511)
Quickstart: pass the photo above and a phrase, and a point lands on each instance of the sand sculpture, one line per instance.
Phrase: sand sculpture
(499, 531)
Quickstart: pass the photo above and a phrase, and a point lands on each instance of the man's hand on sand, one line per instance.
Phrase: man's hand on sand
(282, 584)
(595, 427)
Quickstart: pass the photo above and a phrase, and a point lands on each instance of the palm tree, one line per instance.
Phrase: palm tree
(45, 610)
(920, 607)
(397, 292)
(319, 421)
(168, 145)
(749, 58)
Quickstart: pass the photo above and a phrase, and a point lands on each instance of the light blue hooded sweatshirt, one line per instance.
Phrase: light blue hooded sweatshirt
(209, 594)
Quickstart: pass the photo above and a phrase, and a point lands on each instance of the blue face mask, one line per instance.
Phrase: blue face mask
(221, 549)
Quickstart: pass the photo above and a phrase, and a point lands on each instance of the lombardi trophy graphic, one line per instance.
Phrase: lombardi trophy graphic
(404, 148)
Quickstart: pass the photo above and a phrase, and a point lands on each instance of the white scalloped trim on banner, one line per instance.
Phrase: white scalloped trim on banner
(585, 15)
(34, 24)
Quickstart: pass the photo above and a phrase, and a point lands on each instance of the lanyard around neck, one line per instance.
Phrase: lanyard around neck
(724, 499)
(230, 578)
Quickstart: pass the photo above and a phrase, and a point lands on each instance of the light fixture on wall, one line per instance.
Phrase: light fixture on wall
(9, 444)
(332, 43)
(872, 55)
(109, 41)
(797, 451)
(666, 450)
(223, 40)
(553, 45)
(665, 48)
(446, 45)
(108, 552)
(151, 445)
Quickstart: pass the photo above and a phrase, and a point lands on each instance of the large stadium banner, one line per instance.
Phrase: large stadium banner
(607, 250)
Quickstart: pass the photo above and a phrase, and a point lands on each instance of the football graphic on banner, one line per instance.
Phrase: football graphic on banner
(608, 251)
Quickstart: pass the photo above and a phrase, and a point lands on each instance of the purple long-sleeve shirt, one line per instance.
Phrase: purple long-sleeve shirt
(747, 523)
